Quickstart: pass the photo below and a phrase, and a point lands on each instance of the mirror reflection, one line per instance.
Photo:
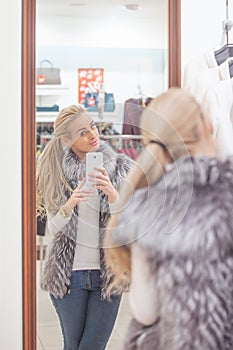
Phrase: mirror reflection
(111, 58)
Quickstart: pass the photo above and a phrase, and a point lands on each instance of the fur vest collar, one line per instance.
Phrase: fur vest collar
(60, 252)
(195, 195)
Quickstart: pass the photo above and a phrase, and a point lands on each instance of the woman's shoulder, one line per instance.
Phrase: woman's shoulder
(200, 171)
(192, 193)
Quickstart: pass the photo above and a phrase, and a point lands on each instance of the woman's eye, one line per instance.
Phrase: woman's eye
(83, 133)
(93, 126)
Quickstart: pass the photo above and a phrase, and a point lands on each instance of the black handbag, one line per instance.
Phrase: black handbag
(47, 75)
(40, 225)
(92, 100)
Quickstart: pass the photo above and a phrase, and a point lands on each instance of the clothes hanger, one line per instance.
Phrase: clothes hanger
(231, 67)
(222, 54)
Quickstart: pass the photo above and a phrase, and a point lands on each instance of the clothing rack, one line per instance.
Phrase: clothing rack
(121, 136)
(225, 51)
(227, 24)
(129, 144)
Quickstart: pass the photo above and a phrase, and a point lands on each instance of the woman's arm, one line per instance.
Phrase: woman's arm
(101, 181)
(143, 299)
(55, 223)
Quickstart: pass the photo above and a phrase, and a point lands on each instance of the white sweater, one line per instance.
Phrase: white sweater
(87, 245)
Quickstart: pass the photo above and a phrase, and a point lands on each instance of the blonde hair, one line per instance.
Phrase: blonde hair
(174, 120)
(50, 181)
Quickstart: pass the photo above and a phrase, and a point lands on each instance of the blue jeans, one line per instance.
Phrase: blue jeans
(86, 320)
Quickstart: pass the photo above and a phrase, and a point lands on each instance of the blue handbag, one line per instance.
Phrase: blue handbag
(92, 99)
(54, 108)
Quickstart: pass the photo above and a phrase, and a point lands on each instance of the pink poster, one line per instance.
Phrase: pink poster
(89, 80)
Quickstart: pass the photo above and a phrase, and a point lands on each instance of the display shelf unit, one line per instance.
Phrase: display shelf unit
(51, 93)
(46, 117)
(43, 91)
(49, 117)
(51, 90)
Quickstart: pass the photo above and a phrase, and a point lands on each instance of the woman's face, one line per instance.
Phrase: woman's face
(84, 136)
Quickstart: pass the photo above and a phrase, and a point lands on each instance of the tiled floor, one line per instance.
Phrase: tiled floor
(48, 330)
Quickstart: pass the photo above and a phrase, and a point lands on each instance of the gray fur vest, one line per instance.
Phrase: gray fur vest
(60, 252)
(187, 233)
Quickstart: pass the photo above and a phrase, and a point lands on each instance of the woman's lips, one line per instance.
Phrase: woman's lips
(94, 143)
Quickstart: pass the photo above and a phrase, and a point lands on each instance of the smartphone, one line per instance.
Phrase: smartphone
(93, 160)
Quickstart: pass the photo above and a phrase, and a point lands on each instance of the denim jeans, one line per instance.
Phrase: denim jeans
(86, 320)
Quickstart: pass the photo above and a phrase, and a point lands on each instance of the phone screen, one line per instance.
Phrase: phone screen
(93, 160)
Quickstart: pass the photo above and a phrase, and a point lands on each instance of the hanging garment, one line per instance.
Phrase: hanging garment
(133, 152)
(125, 151)
(224, 53)
(212, 88)
(198, 65)
(132, 114)
(130, 149)
(203, 80)
(217, 103)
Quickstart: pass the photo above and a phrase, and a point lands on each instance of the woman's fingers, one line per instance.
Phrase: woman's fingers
(100, 180)
(82, 182)
(82, 194)
(102, 170)
(100, 175)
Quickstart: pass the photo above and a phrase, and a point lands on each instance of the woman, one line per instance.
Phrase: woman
(74, 273)
(175, 239)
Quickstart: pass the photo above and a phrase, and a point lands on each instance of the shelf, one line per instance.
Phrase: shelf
(108, 117)
(48, 90)
(49, 117)
(46, 117)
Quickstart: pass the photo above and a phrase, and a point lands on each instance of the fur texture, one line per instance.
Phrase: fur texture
(60, 252)
(187, 232)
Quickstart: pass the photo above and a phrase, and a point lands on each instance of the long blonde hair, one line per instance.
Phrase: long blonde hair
(50, 180)
(174, 120)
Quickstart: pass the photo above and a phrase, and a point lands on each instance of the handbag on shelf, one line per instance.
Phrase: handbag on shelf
(47, 75)
(54, 108)
(92, 100)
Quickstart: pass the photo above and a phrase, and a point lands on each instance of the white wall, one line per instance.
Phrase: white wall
(201, 26)
(101, 32)
(74, 42)
(10, 183)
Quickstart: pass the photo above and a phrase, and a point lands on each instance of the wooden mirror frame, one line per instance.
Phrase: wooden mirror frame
(29, 146)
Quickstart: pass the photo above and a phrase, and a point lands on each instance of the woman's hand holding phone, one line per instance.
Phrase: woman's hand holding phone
(100, 180)
(80, 194)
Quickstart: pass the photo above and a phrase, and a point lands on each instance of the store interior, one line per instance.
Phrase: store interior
(129, 45)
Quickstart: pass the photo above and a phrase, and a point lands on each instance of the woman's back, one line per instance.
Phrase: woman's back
(178, 231)
(186, 232)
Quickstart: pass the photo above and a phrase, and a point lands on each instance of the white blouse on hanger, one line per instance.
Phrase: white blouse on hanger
(211, 85)
(218, 104)
(198, 65)
(203, 80)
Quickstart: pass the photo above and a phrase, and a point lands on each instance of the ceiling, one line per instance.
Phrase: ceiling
(156, 9)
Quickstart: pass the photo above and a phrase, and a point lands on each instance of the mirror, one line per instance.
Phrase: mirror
(79, 47)
(139, 53)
